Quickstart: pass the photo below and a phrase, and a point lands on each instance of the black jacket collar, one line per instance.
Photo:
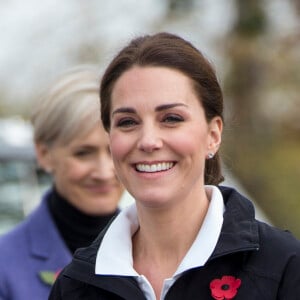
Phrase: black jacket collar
(240, 229)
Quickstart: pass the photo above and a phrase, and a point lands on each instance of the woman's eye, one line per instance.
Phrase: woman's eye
(82, 153)
(173, 119)
(126, 122)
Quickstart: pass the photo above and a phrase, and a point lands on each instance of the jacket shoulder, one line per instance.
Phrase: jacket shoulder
(279, 242)
(13, 239)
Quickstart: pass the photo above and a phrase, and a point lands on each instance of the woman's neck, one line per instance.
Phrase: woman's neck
(164, 238)
(76, 228)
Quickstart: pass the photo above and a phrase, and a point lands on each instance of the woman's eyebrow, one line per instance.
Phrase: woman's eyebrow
(158, 108)
(124, 110)
(169, 106)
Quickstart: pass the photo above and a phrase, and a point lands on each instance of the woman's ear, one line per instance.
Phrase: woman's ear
(43, 156)
(215, 135)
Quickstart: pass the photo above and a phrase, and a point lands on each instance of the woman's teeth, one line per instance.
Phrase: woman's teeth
(154, 167)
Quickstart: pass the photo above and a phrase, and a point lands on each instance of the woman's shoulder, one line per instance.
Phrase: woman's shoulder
(278, 240)
(241, 210)
(276, 260)
(31, 228)
(13, 237)
(13, 250)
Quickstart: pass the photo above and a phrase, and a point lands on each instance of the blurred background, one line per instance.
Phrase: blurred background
(254, 46)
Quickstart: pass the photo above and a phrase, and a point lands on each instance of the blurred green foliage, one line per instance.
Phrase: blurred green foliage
(269, 169)
(262, 144)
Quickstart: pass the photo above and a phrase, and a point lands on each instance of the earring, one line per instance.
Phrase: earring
(210, 155)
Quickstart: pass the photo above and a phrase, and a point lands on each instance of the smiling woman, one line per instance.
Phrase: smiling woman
(185, 237)
(73, 147)
(169, 130)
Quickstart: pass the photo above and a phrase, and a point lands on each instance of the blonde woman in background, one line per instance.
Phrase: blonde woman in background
(72, 146)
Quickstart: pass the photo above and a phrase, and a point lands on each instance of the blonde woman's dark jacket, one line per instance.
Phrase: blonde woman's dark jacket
(264, 260)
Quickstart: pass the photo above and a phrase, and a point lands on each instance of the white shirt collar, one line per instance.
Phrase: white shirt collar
(114, 255)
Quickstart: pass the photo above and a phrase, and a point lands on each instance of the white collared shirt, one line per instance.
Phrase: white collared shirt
(114, 255)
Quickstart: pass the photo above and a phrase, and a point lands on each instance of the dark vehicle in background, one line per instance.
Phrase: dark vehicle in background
(21, 181)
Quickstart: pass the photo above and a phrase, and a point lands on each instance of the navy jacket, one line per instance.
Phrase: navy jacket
(265, 260)
(32, 247)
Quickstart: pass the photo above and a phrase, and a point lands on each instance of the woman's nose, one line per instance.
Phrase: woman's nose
(149, 140)
(104, 168)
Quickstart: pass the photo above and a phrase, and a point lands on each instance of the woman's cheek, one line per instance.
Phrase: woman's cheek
(119, 146)
(77, 170)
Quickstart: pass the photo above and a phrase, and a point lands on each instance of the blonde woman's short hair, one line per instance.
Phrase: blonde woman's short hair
(70, 108)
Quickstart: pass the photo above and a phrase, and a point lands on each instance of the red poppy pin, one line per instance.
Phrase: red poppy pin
(224, 288)
(48, 277)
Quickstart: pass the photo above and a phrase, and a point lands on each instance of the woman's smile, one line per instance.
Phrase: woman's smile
(154, 167)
